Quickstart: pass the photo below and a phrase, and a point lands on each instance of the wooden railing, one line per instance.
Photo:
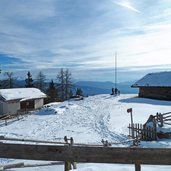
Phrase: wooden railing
(87, 154)
(8, 118)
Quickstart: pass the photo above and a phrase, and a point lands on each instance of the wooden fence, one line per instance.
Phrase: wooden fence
(5, 119)
(8, 118)
(88, 154)
(138, 131)
(149, 133)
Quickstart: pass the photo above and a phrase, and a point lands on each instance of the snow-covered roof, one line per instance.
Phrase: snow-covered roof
(21, 94)
(160, 79)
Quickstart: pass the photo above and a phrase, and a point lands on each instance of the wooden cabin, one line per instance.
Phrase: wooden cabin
(20, 99)
(155, 86)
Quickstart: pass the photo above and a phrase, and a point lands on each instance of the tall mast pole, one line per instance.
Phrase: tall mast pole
(115, 70)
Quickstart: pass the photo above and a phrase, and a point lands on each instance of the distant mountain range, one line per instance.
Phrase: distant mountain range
(95, 87)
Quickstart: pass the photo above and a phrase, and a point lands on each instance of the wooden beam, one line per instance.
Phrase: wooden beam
(86, 154)
(167, 123)
(166, 113)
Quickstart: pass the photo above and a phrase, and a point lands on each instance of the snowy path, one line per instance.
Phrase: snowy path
(84, 120)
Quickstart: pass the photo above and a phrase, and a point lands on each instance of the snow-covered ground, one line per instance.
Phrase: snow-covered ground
(89, 121)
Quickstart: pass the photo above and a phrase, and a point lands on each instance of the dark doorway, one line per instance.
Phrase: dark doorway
(29, 104)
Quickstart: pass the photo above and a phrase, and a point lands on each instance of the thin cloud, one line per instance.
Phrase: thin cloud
(46, 35)
(127, 4)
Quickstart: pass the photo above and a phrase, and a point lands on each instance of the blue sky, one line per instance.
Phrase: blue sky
(83, 35)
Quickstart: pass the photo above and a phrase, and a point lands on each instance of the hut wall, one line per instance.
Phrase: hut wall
(38, 103)
(155, 92)
(13, 107)
(9, 107)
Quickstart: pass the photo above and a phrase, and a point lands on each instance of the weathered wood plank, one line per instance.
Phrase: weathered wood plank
(86, 154)
(15, 165)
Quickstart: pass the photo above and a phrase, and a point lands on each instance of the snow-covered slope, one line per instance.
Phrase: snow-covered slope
(88, 121)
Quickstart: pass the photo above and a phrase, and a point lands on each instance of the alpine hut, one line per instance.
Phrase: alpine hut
(18, 99)
(155, 86)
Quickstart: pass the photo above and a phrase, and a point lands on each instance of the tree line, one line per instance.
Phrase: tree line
(60, 90)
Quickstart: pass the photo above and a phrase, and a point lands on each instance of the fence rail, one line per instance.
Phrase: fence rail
(164, 118)
(135, 156)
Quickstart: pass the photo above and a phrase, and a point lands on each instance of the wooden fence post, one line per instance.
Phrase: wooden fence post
(161, 119)
(137, 167)
(74, 164)
(67, 165)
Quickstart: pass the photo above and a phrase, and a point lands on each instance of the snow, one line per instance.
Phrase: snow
(159, 79)
(21, 93)
(89, 121)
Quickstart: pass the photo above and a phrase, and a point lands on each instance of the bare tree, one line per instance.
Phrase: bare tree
(40, 81)
(68, 83)
(64, 84)
(60, 78)
(10, 81)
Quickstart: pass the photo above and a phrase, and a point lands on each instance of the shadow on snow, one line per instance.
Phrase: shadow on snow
(146, 101)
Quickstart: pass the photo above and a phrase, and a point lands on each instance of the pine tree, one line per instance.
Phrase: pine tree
(79, 92)
(52, 92)
(29, 80)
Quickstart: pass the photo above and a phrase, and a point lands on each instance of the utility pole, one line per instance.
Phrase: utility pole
(115, 70)
(115, 90)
